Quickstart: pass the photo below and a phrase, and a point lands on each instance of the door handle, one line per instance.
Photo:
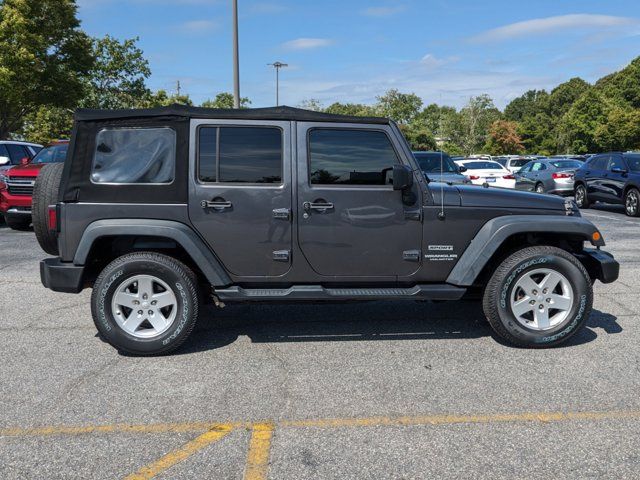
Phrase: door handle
(216, 204)
(320, 206)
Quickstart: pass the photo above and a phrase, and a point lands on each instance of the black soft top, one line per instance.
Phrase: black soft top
(271, 113)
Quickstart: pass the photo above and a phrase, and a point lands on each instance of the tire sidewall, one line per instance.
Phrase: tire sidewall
(114, 334)
(583, 203)
(632, 191)
(579, 311)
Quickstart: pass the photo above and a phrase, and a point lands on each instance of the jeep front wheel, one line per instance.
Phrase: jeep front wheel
(145, 303)
(538, 297)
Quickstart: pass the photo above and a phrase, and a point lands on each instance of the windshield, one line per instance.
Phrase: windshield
(483, 166)
(430, 163)
(567, 164)
(53, 154)
(633, 161)
(519, 162)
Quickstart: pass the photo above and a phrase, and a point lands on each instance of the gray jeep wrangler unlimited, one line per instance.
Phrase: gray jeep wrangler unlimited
(159, 210)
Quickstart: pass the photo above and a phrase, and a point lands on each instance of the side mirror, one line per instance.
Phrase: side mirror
(402, 177)
(24, 160)
(4, 160)
(462, 169)
(618, 170)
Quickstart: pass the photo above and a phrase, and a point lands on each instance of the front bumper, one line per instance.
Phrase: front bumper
(61, 276)
(600, 264)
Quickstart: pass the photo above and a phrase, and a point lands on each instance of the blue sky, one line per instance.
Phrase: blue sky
(352, 50)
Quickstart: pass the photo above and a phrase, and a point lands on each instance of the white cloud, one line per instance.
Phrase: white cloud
(383, 11)
(307, 43)
(552, 24)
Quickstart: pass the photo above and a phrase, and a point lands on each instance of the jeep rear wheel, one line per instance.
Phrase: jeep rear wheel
(145, 303)
(538, 297)
(45, 193)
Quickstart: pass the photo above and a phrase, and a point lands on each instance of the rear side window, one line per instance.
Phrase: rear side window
(134, 155)
(599, 162)
(240, 155)
(350, 157)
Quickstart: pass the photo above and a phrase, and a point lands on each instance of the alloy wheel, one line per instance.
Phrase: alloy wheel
(144, 306)
(631, 203)
(541, 299)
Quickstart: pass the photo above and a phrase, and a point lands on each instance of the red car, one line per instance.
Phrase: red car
(16, 185)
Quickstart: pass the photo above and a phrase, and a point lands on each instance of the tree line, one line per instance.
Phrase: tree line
(49, 66)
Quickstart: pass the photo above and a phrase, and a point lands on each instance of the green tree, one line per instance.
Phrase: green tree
(225, 100)
(401, 107)
(118, 77)
(43, 58)
(620, 131)
(470, 127)
(354, 109)
(47, 124)
(623, 87)
(503, 138)
(581, 122)
(312, 104)
(419, 137)
(162, 99)
(527, 105)
(562, 98)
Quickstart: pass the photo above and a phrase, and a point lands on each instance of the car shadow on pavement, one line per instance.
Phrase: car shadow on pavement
(358, 322)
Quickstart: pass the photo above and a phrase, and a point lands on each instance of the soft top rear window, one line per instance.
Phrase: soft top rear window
(134, 156)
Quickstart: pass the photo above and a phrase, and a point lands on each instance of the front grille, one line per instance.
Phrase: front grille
(20, 187)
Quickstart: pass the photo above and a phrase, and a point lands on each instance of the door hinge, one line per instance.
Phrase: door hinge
(411, 255)
(282, 214)
(281, 255)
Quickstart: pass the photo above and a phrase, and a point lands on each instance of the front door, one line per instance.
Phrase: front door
(240, 193)
(613, 182)
(351, 223)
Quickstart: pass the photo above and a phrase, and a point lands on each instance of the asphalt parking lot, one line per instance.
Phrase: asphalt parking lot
(376, 390)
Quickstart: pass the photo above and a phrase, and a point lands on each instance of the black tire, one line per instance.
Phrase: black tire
(173, 273)
(540, 188)
(581, 197)
(19, 224)
(499, 291)
(632, 202)
(45, 193)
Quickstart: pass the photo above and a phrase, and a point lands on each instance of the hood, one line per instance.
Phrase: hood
(477, 196)
(447, 177)
(28, 170)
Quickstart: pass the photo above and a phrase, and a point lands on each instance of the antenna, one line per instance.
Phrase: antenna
(441, 215)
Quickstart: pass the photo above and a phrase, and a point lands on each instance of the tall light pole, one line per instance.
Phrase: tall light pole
(278, 66)
(236, 60)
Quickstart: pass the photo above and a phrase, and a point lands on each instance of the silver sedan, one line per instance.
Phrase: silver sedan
(552, 175)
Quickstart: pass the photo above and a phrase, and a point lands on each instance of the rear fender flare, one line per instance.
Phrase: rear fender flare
(178, 232)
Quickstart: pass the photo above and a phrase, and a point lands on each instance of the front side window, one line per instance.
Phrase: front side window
(134, 155)
(240, 155)
(350, 157)
(616, 162)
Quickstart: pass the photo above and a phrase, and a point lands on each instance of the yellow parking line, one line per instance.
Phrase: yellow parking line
(181, 453)
(114, 428)
(259, 448)
(452, 419)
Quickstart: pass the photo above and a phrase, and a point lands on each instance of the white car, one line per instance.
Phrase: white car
(487, 171)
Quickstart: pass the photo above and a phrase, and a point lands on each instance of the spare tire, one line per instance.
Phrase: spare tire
(45, 193)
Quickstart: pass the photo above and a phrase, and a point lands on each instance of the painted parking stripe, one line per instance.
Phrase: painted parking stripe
(181, 453)
(259, 450)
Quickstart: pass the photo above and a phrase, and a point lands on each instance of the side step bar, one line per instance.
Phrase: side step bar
(318, 292)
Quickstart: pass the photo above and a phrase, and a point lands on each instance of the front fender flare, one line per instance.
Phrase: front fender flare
(179, 232)
(497, 230)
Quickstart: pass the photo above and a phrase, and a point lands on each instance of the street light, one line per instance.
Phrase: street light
(278, 66)
(236, 60)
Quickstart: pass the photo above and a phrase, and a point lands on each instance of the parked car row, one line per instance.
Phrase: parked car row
(16, 183)
(609, 177)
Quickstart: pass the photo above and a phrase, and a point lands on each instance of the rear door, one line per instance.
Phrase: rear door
(522, 177)
(613, 182)
(351, 223)
(240, 193)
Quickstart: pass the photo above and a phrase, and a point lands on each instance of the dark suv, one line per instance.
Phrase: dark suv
(159, 210)
(612, 178)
